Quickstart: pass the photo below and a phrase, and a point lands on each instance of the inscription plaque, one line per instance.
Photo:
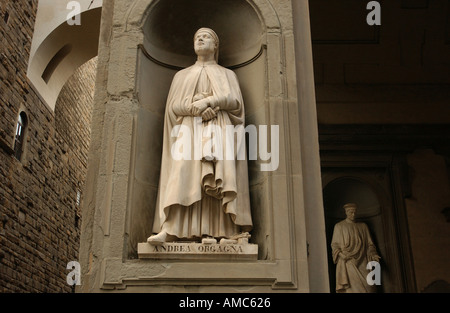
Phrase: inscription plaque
(198, 251)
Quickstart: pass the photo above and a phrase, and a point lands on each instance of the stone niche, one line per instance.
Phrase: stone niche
(167, 48)
(149, 41)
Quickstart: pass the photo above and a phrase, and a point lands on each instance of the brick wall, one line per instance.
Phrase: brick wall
(39, 217)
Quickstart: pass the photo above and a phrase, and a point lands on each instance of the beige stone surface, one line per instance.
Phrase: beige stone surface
(58, 48)
(125, 157)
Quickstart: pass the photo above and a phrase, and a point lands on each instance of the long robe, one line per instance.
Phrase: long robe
(197, 197)
(354, 241)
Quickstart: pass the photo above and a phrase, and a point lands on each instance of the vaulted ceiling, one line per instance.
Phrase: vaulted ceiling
(398, 72)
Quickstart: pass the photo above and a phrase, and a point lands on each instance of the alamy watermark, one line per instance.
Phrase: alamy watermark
(74, 16)
(74, 276)
(214, 142)
(374, 16)
(374, 276)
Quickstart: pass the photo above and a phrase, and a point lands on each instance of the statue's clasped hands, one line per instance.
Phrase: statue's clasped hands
(209, 114)
(201, 107)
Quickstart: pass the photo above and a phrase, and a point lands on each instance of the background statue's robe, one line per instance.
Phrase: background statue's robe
(353, 240)
(183, 183)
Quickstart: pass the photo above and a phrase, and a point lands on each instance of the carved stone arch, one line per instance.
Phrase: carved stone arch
(135, 17)
(140, 15)
(59, 48)
(377, 189)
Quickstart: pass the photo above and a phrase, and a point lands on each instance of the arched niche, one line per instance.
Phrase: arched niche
(168, 29)
(370, 208)
(174, 22)
(349, 189)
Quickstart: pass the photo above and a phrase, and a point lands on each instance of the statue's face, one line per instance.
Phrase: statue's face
(204, 44)
(350, 212)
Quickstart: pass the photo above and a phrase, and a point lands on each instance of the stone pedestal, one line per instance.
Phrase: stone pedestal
(198, 251)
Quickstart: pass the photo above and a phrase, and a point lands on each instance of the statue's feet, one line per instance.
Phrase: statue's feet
(241, 239)
(226, 241)
(157, 240)
(209, 241)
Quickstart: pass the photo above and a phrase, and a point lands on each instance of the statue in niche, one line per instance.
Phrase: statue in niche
(207, 197)
(352, 249)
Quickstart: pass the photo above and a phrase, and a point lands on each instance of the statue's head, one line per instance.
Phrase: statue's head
(350, 210)
(206, 42)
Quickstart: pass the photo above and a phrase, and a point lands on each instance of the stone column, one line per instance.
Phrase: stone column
(315, 217)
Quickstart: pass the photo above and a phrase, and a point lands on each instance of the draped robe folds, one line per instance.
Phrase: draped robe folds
(354, 241)
(198, 197)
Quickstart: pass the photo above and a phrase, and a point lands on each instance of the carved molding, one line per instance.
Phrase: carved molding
(116, 274)
(178, 68)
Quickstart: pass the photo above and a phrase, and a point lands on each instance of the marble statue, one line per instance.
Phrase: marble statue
(352, 249)
(203, 197)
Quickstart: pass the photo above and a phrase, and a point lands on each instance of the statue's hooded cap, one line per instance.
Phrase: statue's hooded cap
(214, 36)
(350, 206)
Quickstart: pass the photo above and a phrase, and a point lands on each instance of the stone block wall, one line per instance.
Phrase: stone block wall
(39, 210)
